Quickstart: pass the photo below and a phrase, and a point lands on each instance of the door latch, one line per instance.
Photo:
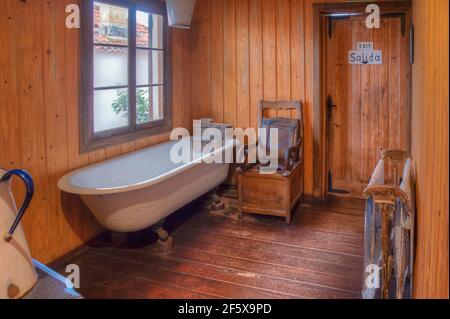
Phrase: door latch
(330, 107)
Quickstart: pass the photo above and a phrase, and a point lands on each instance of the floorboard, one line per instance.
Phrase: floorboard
(216, 255)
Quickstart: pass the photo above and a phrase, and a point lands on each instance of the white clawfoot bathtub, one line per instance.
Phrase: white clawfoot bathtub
(138, 190)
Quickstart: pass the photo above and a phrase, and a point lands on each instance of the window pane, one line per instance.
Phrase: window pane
(110, 109)
(110, 24)
(142, 30)
(149, 29)
(110, 66)
(149, 102)
(149, 67)
(158, 103)
(157, 31)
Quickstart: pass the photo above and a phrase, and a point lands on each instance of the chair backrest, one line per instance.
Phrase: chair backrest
(281, 105)
(397, 159)
(290, 131)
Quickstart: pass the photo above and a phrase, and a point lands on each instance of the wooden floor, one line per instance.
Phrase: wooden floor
(218, 256)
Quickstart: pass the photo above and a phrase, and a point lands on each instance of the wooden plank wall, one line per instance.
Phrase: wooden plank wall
(248, 50)
(39, 81)
(264, 49)
(430, 146)
(222, 68)
(245, 51)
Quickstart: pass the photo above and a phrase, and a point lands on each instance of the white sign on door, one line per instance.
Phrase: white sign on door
(365, 54)
(364, 46)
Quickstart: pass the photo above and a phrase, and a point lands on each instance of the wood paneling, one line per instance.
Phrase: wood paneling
(256, 58)
(201, 61)
(39, 127)
(217, 62)
(256, 52)
(273, 45)
(229, 61)
(242, 64)
(430, 147)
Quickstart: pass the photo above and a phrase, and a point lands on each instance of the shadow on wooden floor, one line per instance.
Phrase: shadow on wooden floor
(218, 256)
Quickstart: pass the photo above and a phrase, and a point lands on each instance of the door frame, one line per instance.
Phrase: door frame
(320, 10)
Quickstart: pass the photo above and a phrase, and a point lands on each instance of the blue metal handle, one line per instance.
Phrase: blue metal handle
(28, 181)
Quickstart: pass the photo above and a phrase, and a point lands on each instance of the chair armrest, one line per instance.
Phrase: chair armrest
(245, 166)
(294, 154)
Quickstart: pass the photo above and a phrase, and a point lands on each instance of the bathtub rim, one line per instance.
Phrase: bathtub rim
(65, 185)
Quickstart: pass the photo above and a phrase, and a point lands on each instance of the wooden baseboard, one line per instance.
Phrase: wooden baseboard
(312, 198)
(59, 261)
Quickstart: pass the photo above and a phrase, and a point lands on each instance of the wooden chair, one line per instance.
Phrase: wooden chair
(390, 215)
(275, 194)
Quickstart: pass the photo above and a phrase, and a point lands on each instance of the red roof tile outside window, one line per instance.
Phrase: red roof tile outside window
(115, 32)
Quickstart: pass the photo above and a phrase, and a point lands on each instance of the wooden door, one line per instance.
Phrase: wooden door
(368, 106)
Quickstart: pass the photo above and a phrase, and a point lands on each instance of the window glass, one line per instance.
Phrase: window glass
(149, 104)
(110, 109)
(149, 30)
(142, 29)
(110, 66)
(149, 67)
(110, 24)
(157, 31)
(116, 103)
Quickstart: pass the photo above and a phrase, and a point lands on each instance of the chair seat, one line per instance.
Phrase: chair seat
(281, 173)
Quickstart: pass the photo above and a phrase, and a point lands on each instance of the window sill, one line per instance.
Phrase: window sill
(96, 144)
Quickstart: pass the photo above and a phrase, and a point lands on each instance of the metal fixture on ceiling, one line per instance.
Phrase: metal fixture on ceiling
(180, 13)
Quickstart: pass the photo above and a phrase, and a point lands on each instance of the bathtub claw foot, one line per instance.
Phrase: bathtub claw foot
(217, 203)
(162, 234)
(164, 246)
(165, 241)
